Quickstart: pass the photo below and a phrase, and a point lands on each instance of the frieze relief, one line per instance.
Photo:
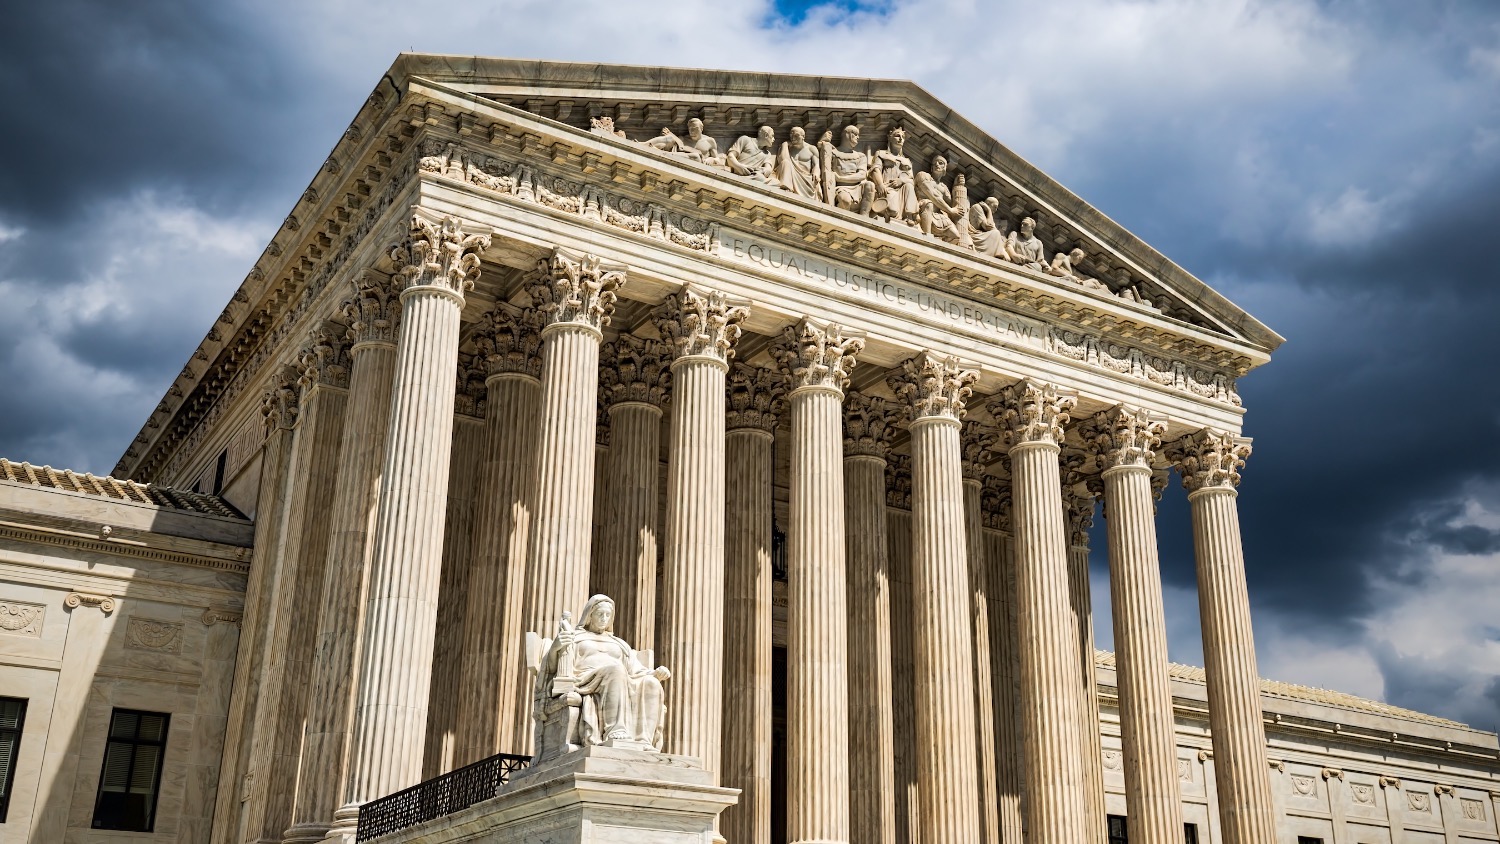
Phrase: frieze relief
(22, 619)
(1363, 795)
(145, 634)
(1473, 809)
(1419, 801)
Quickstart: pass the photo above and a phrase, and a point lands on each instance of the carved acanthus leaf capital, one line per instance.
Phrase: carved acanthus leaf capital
(1029, 411)
(439, 254)
(325, 361)
(636, 370)
(817, 354)
(696, 321)
(898, 481)
(578, 289)
(756, 397)
(869, 423)
(1209, 459)
(994, 503)
(933, 386)
(505, 343)
(977, 443)
(282, 401)
(1078, 509)
(1123, 436)
(374, 313)
(469, 393)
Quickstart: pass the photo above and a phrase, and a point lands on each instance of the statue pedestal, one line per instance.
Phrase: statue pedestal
(590, 796)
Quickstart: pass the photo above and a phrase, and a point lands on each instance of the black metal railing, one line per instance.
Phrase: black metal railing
(444, 795)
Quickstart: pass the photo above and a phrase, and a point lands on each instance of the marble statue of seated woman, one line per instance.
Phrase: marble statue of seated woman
(593, 688)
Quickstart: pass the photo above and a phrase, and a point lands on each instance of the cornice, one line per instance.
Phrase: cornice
(234, 560)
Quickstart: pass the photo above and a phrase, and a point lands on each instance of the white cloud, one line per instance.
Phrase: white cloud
(1350, 220)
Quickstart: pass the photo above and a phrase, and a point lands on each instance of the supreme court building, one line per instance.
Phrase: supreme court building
(818, 382)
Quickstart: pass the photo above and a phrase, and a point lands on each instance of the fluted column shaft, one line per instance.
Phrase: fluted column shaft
(1050, 706)
(817, 646)
(984, 699)
(747, 641)
(1090, 742)
(1147, 729)
(1005, 676)
(491, 686)
(628, 549)
(903, 667)
(325, 749)
(872, 761)
(1239, 738)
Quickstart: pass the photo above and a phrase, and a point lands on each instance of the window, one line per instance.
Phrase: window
(132, 771)
(12, 719)
(1308, 839)
(1190, 833)
(1117, 830)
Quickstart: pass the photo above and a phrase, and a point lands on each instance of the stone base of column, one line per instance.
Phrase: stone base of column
(345, 825)
(591, 796)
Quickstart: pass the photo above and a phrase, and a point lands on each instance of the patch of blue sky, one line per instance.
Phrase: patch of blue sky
(794, 12)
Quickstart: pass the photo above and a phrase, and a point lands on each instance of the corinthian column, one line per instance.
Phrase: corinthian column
(1031, 418)
(817, 358)
(978, 450)
(1005, 667)
(1209, 463)
(1078, 513)
(935, 389)
(1124, 441)
(903, 647)
(755, 402)
(576, 297)
(508, 348)
(633, 385)
(373, 315)
(701, 327)
(868, 426)
(438, 263)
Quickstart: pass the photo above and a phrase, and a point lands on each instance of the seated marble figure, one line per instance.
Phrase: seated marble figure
(592, 688)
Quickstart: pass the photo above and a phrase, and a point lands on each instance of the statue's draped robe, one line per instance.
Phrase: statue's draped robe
(622, 698)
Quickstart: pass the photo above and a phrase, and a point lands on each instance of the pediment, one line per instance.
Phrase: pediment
(634, 105)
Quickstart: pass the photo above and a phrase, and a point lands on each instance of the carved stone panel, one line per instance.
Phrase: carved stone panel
(1304, 786)
(18, 618)
(146, 634)
(1419, 801)
(1473, 809)
(1363, 795)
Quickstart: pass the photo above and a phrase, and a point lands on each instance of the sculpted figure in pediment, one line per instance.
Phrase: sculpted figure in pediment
(938, 207)
(697, 146)
(987, 233)
(1064, 265)
(895, 191)
(1025, 248)
(846, 173)
(754, 157)
(797, 166)
(604, 126)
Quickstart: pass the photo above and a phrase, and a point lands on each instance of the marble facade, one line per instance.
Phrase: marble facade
(529, 336)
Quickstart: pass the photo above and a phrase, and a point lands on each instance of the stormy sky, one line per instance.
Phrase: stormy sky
(1333, 167)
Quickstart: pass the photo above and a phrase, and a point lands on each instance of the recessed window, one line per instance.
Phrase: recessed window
(1116, 826)
(12, 720)
(132, 771)
(1190, 833)
(1308, 839)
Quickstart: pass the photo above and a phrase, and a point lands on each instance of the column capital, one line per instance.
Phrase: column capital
(756, 398)
(995, 503)
(577, 289)
(1078, 510)
(104, 603)
(978, 443)
(439, 254)
(697, 321)
(282, 401)
(817, 354)
(325, 360)
(470, 394)
(1030, 411)
(1123, 436)
(634, 370)
(505, 343)
(1209, 459)
(898, 481)
(374, 312)
(933, 386)
(869, 423)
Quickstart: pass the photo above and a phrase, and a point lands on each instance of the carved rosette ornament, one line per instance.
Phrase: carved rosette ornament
(756, 398)
(281, 403)
(1123, 436)
(439, 256)
(634, 370)
(1031, 412)
(506, 343)
(815, 354)
(701, 322)
(978, 449)
(1209, 459)
(898, 481)
(325, 362)
(374, 313)
(576, 289)
(933, 386)
(995, 503)
(869, 423)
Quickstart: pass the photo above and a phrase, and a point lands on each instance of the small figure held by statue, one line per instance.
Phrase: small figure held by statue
(592, 688)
